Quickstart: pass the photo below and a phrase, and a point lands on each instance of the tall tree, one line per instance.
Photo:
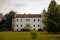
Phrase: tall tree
(58, 18)
(11, 15)
(9, 19)
(51, 17)
(44, 11)
(1, 15)
(43, 19)
(3, 26)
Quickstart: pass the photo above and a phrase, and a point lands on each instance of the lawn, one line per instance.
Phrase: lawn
(27, 36)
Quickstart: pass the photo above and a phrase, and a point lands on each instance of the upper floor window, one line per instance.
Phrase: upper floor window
(17, 20)
(38, 20)
(34, 19)
(27, 19)
(21, 20)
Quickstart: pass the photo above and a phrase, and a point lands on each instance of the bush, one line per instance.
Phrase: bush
(34, 34)
(40, 30)
(25, 29)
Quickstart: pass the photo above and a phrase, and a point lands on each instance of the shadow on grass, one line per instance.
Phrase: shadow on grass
(52, 33)
(1, 38)
(57, 38)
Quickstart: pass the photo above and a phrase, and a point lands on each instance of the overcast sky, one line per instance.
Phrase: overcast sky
(24, 6)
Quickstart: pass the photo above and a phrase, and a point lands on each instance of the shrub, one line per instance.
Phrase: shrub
(34, 34)
(40, 30)
(25, 29)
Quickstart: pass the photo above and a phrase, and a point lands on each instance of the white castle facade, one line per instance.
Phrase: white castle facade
(27, 21)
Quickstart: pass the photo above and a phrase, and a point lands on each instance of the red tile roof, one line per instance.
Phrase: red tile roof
(28, 15)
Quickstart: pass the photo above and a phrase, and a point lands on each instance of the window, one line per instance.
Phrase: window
(17, 25)
(38, 25)
(17, 20)
(21, 20)
(17, 29)
(21, 25)
(34, 19)
(38, 20)
(27, 19)
(34, 25)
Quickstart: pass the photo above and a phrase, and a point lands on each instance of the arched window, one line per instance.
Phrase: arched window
(21, 20)
(34, 20)
(17, 20)
(34, 25)
(38, 20)
(38, 25)
(21, 25)
(17, 29)
(17, 25)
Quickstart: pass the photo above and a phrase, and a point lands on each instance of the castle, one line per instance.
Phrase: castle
(27, 21)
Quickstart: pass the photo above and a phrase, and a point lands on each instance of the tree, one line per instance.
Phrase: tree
(34, 34)
(44, 11)
(44, 19)
(51, 18)
(58, 18)
(8, 18)
(1, 15)
(6, 22)
(11, 16)
(3, 26)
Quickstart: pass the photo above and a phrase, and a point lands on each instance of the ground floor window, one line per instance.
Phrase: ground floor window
(17, 29)
(21, 25)
(38, 25)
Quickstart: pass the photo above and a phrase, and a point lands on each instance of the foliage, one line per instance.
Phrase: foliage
(1, 14)
(52, 18)
(6, 21)
(23, 29)
(40, 29)
(44, 11)
(8, 18)
(3, 26)
(34, 34)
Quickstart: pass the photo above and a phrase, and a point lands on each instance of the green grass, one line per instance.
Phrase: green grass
(27, 36)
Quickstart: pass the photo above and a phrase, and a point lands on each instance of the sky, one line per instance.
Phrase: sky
(24, 6)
